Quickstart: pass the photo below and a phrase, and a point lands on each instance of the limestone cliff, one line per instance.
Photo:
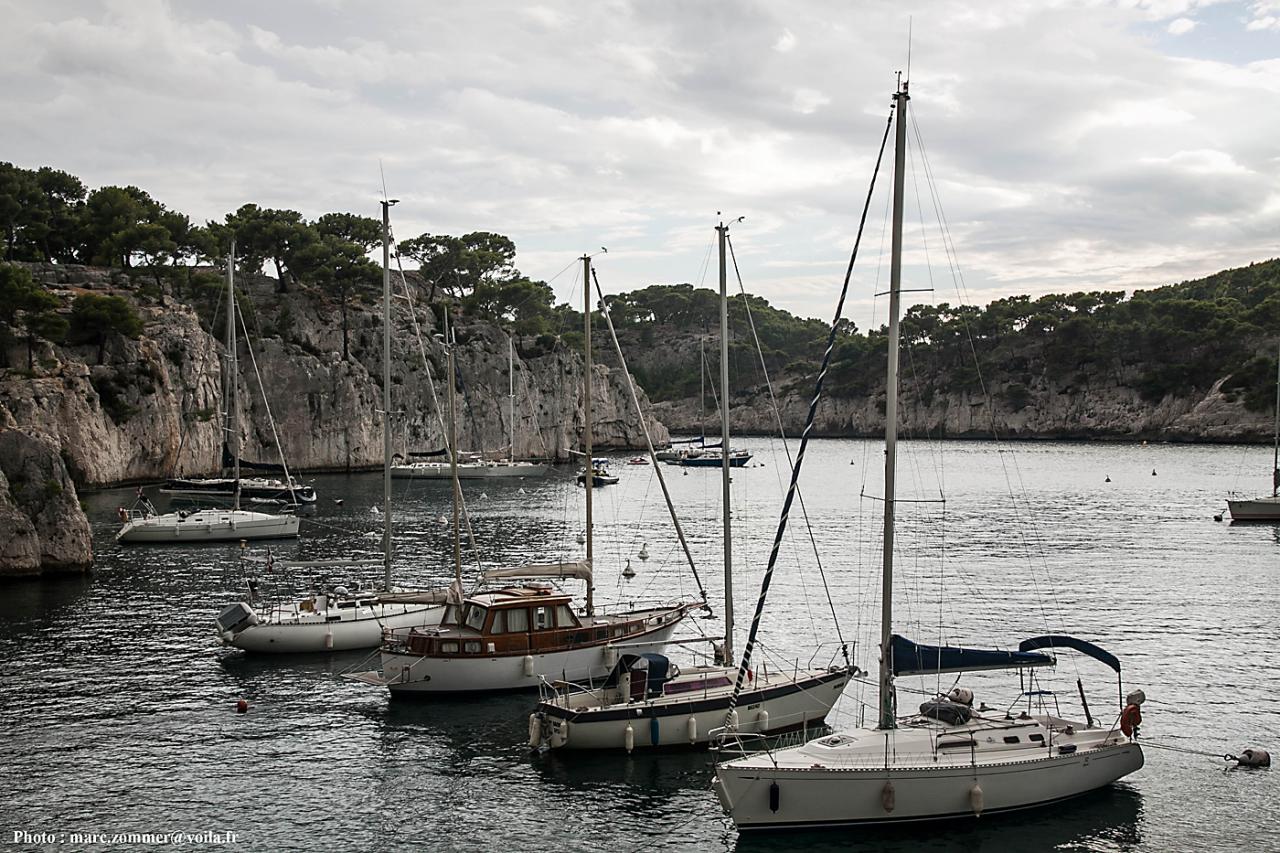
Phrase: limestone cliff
(152, 408)
(42, 527)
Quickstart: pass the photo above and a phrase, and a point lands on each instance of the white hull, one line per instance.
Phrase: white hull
(290, 631)
(1257, 509)
(821, 787)
(208, 525)
(495, 470)
(777, 704)
(406, 674)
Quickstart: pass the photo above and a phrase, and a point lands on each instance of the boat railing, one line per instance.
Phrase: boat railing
(729, 743)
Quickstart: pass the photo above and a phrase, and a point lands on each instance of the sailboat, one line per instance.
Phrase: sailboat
(1264, 508)
(647, 700)
(511, 637)
(950, 760)
(143, 524)
(475, 466)
(339, 617)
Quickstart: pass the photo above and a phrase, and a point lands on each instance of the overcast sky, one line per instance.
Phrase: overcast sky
(1073, 145)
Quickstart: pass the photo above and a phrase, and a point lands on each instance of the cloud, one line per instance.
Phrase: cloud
(1068, 150)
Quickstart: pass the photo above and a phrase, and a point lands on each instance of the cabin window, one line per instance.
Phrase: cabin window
(541, 618)
(564, 617)
(449, 647)
(517, 621)
(450, 616)
(471, 647)
(475, 616)
(499, 625)
(1037, 738)
(1011, 739)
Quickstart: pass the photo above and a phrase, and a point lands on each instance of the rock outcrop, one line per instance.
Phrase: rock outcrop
(42, 526)
(153, 407)
(1101, 411)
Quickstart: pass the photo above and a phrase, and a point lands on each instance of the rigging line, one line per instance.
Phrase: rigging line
(644, 428)
(435, 402)
(266, 404)
(804, 440)
(962, 292)
(782, 431)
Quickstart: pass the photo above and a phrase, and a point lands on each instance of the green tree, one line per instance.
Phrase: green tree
(364, 231)
(94, 319)
(459, 264)
(25, 304)
(341, 269)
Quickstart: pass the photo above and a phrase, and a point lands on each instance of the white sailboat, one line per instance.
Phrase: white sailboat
(1266, 508)
(950, 760)
(649, 701)
(510, 638)
(475, 466)
(338, 618)
(143, 524)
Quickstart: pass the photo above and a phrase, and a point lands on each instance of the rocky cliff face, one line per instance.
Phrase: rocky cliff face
(1108, 410)
(42, 527)
(153, 408)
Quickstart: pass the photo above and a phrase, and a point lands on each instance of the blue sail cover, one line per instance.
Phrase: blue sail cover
(914, 659)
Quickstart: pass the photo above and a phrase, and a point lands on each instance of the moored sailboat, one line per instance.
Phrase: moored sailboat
(949, 760)
(647, 700)
(336, 618)
(1266, 508)
(142, 524)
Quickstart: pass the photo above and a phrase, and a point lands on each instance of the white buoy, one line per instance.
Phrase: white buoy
(975, 799)
(535, 731)
(527, 666)
(644, 551)
(373, 510)
(691, 728)
(628, 572)
(484, 496)
(581, 539)
(629, 738)
(443, 519)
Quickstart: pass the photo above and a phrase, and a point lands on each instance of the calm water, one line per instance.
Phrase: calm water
(118, 702)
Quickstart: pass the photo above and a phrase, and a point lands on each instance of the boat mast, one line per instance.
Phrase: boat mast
(887, 703)
(722, 231)
(386, 392)
(233, 371)
(702, 387)
(511, 395)
(588, 480)
(1275, 457)
(453, 450)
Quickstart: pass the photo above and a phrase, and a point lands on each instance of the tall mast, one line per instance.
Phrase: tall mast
(386, 392)
(1275, 456)
(511, 394)
(702, 386)
(233, 374)
(588, 480)
(722, 231)
(887, 703)
(453, 450)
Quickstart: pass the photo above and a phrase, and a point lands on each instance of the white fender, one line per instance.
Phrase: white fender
(888, 797)
(691, 728)
(328, 638)
(610, 656)
(762, 720)
(527, 666)
(975, 799)
(733, 719)
(535, 731)
(629, 738)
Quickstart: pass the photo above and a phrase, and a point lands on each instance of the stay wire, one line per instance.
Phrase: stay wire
(804, 441)
(782, 431)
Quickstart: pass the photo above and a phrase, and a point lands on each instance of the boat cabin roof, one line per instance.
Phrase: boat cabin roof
(520, 596)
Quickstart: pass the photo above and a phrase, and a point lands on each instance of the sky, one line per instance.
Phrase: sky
(1065, 145)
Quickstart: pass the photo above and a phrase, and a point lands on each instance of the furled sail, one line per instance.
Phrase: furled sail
(1062, 641)
(911, 658)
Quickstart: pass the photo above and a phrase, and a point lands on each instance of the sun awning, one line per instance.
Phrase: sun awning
(911, 658)
(558, 571)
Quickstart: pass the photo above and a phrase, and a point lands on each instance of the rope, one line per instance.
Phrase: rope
(804, 440)
(266, 404)
(1200, 752)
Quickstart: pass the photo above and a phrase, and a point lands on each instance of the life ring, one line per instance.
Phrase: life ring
(1130, 719)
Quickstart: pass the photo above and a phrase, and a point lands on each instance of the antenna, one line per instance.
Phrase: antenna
(382, 174)
(910, 20)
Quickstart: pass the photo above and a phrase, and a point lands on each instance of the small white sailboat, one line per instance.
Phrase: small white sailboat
(949, 760)
(142, 524)
(337, 618)
(475, 466)
(1265, 508)
(647, 700)
(512, 637)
